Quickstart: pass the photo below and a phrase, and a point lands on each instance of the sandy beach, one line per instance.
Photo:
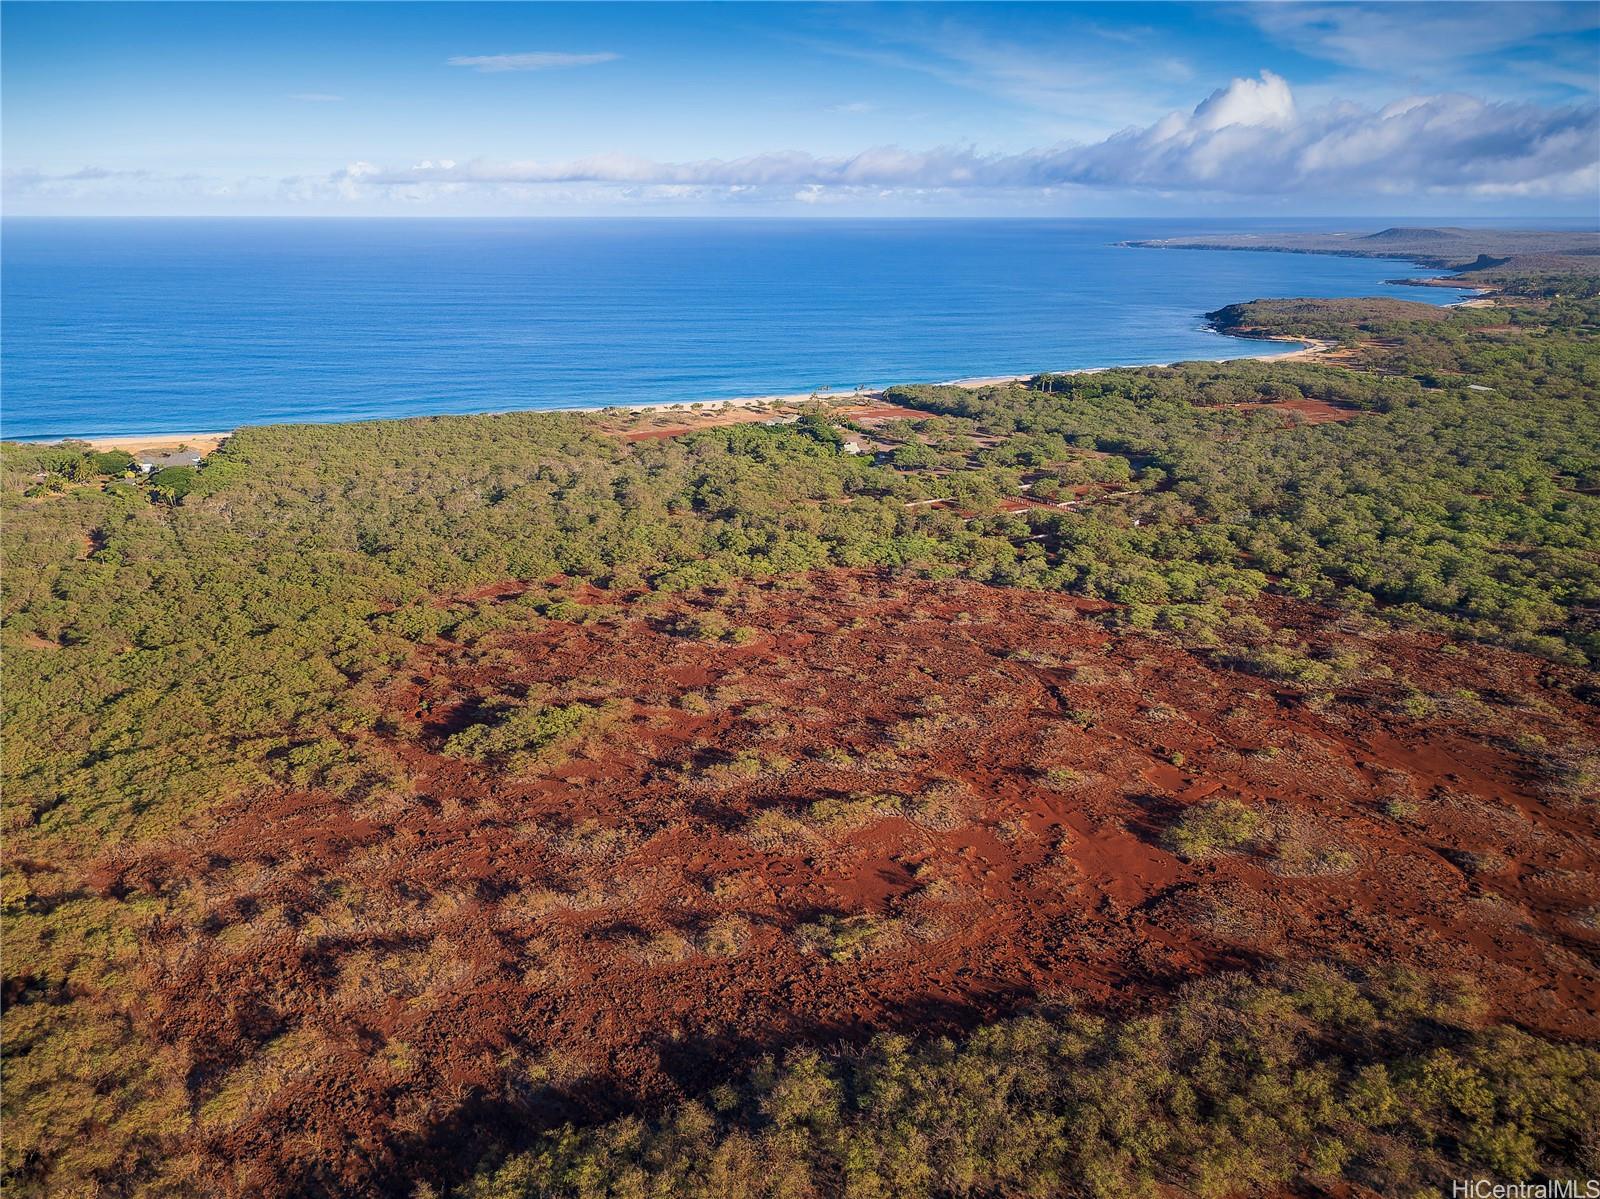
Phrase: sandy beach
(1309, 349)
(155, 442)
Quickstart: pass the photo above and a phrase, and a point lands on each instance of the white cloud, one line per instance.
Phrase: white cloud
(538, 60)
(1249, 138)
(349, 181)
(315, 97)
(1266, 101)
(1250, 141)
(1400, 37)
(19, 180)
(1083, 81)
(855, 108)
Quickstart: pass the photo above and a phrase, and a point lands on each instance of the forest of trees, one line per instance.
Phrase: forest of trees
(172, 641)
(1237, 1086)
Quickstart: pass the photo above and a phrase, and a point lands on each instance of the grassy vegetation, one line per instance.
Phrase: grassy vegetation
(1469, 511)
(1345, 321)
(174, 643)
(513, 736)
(1238, 1086)
(1214, 827)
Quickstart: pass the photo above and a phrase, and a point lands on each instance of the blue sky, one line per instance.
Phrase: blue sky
(1302, 108)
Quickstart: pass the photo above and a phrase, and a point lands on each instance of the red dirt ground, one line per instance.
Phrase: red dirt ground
(1311, 411)
(868, 414)
(898, 805)
(712, 420)
(875, 413)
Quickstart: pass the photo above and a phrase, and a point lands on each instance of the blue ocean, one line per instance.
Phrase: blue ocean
(149, 326)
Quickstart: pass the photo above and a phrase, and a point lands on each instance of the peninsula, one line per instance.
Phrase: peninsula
(1474, 257)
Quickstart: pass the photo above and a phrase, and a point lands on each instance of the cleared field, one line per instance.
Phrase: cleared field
(805, 813)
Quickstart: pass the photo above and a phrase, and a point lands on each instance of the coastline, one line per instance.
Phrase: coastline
(207, 442)
(203, 442)
(1309, 348)
(1451, 278)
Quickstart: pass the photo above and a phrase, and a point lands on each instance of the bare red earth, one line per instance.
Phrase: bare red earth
(899, 806)
(1308, 411)
(869, 414)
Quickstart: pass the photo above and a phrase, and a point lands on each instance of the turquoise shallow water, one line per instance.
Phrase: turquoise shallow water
(112, 326)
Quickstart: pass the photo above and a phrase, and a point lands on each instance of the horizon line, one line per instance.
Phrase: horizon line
(1586, 221)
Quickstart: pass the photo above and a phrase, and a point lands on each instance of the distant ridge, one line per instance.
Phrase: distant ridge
(1504, 251)
(1410, 234)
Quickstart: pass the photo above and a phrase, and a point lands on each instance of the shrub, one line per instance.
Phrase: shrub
(111, 462)
(1204, 831)
(172, 483)
(838, 815)
(516, 736)
(843, 938)
(1063, 778)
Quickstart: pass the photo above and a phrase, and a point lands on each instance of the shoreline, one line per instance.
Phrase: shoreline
(1309, 350)
(209, 441)
(1310, 347)
(139, 441)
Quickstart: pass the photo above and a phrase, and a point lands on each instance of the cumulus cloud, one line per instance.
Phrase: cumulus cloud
(537, 60)
(1263, 102)
(1249, 138)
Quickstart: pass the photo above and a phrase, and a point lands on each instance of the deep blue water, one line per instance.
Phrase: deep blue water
(113, 326)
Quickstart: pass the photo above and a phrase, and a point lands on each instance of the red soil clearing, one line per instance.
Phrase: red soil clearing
(866, 414)
(1020, 504)
(874, 413)
(900, 806)
(726, 416)
(1311, 411)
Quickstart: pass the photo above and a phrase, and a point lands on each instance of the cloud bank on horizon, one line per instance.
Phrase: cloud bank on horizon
(1248, 138)
(1387, 106)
